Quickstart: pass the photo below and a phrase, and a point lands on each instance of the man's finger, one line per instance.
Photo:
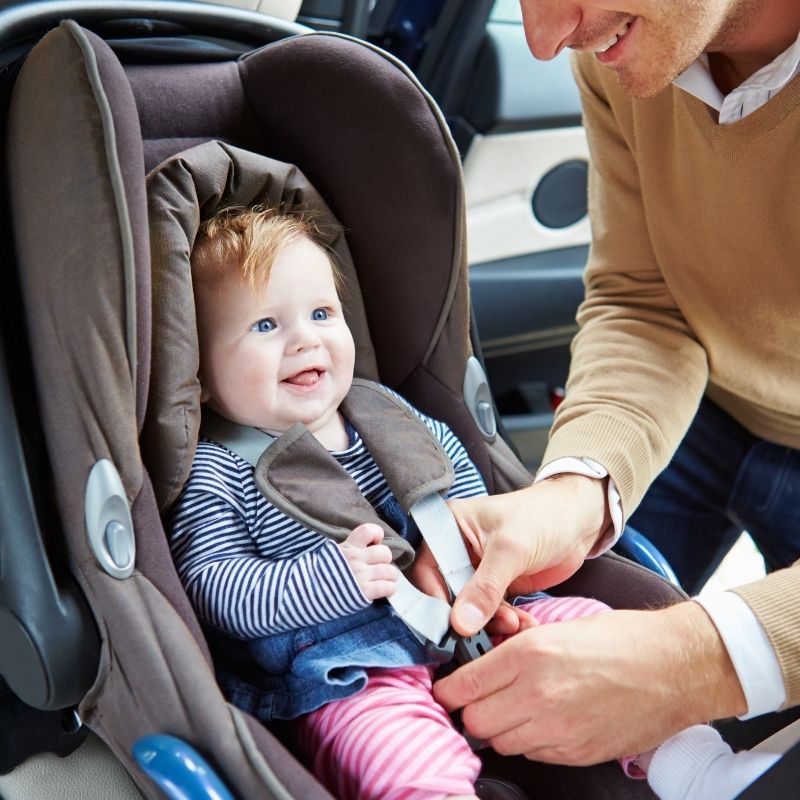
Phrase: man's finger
(481, 596)
(491, 673)
(505, 622)
(497, 716)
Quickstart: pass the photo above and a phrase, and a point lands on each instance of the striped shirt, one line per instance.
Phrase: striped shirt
(252, 571)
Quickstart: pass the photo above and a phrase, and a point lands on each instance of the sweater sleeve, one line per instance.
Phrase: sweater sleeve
(775, 600)
(637, 372)
(245, 592)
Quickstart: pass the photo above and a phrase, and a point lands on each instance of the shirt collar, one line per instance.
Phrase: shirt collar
(756, 90)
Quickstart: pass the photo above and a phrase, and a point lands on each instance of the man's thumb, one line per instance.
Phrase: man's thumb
(478, 600)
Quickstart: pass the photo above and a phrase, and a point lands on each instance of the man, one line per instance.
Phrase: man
(692, 110)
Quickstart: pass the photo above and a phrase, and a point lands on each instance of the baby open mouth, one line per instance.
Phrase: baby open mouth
(307, 377)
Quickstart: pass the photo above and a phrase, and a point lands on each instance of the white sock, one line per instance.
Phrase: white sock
(696, 764)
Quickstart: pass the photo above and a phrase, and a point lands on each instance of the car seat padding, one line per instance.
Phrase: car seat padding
(183, 191)
(376, 148)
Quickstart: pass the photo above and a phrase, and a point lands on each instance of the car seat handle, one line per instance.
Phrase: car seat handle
(178, 769)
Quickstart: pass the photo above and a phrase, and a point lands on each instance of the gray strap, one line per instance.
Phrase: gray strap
(248, 443)
(439, 529)
(428, 617)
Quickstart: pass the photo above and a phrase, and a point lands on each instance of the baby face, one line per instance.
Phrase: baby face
(282, 354)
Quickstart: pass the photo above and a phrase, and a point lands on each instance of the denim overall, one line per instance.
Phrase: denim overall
(292, 673)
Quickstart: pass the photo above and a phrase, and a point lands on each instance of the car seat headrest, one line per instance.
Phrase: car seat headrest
(183, 191)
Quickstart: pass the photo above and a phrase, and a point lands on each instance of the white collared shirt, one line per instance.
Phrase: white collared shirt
(751, 653)
(749, 96)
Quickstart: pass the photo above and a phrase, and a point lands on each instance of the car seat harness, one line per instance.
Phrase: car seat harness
(300, 477)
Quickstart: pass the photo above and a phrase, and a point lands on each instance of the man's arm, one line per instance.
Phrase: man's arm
(637, 371)
(775, 602)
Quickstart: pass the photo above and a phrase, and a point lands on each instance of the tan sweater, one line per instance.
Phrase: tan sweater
(692, 285)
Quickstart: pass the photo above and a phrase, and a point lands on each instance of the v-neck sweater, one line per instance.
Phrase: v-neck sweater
(692, 286)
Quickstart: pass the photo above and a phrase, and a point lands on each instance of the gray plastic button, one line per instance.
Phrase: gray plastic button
(118, 543)
(486, 415)
(479, 399)
(109, 526)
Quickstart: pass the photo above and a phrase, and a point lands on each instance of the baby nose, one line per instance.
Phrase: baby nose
(305, 335)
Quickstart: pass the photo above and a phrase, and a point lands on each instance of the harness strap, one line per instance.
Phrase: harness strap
(248, 443)
(428, 617)
(300, 477)
(438, 527)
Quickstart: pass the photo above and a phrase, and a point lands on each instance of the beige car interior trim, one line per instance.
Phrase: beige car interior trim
(90, 773)
(501, 172)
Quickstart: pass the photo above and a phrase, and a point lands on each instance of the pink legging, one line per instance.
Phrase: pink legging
(393, 741)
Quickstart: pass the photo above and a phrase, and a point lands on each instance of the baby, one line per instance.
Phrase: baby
(302, 616)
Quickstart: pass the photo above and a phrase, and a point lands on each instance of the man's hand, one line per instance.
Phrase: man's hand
(597, 688)
(370, 561)
(425, 575)
(526, 540)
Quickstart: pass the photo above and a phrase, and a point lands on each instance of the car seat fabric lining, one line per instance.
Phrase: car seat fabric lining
(368, 141)
(183, 105)
(75, 299)
(459, 230)
(376, 154)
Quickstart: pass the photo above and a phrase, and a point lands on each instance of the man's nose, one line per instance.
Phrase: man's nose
(549, 25)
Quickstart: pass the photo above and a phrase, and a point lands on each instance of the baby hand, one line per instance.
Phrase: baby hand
(370, 561)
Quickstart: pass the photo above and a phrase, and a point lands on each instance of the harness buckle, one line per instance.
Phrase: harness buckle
(456, 650)
(461, 649)
(470, 648)
(443, 652)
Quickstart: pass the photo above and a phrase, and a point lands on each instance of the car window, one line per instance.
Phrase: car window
(506, 11)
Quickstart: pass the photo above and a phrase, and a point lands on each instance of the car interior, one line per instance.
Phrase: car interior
(100, 646)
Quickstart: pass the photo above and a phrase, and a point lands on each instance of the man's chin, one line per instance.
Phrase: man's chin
(643, 87)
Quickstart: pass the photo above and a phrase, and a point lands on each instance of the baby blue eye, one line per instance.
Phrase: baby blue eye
(319, 314)
(264, 325)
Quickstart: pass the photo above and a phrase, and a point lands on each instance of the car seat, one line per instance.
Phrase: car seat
(100, 621)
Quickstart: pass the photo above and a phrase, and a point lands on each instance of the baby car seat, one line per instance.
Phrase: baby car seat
(100, 406)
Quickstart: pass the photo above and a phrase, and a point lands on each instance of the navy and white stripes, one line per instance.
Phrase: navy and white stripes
(252, 571)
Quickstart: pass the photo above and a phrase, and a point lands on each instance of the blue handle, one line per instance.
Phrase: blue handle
(640, 549)
(178, 769)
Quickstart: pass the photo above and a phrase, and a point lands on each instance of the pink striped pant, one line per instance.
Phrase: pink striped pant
(393, 741)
